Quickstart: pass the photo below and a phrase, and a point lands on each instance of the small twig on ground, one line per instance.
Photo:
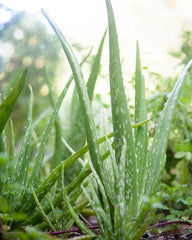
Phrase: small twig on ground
(97, 226)
(168, 223)
(72, 230)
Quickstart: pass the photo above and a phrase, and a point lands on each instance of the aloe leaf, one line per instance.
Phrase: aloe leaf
(75, 96)
(36, 171)
(77, 137)
(95, 68)
(13, 78)
(72, 212)
(140, 105)
(105, 204)
(12, 143)
(45, 217)
(120, 202)
(139, 225)
(53, 211)
(21, 170)
(9, 102)
(98, 209)
(36, 218)
(140, 133)
(121, 116)
(10, 164)
(76, 218)
(46, 185)
(11, 161)
(157, 153)
(58, 148)
(83, 97)
(2, 143)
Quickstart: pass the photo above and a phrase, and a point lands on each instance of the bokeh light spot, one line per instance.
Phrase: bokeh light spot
(44, 91)
(18, 34)
(39, 62)
(32, 41)
(27, 61)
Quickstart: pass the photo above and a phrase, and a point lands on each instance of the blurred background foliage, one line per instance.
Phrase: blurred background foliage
(26, 42)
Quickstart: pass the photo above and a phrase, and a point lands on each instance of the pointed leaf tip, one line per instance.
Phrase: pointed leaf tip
(9, 102)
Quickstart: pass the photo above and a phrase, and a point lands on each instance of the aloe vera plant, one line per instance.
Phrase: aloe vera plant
(133, 171)
(126, 173)
(137, 170)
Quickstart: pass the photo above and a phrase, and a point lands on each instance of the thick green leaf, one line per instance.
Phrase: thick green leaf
(12, 143)
(9, 102)
(45, 217)
(140, 133)
(36, 171)
(21, 170)
(121, 117)
(83, 97)
(76, 137)
(22, 163)
(72, 212)
(95, 68)
(157, 155)
(60, 151)
(46, 185)
(59, 147)
(11, 161)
